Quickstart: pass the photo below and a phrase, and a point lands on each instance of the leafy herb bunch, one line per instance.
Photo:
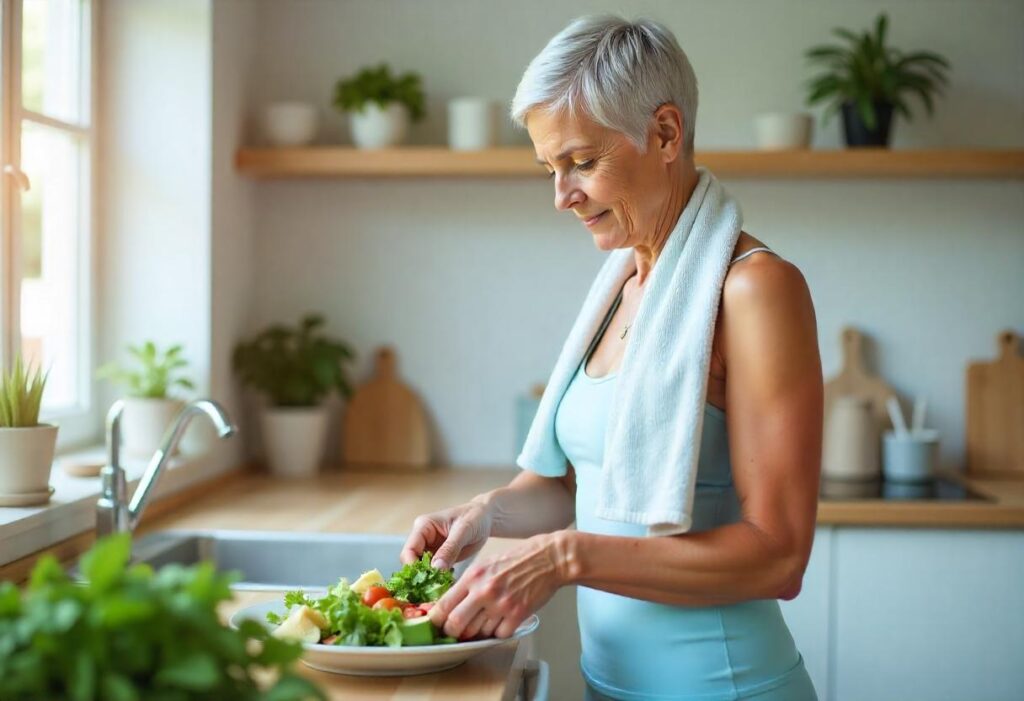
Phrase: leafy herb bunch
(418, 581)
(131, 635)
(865, 71)
(154, 374)
(379, 86)
(294, 367)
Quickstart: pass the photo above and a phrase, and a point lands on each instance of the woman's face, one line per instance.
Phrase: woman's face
(613, 189)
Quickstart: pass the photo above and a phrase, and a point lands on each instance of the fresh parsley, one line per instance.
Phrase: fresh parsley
(128, 634)
(418, 581)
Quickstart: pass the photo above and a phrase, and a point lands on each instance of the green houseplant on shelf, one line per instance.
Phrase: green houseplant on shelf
(126, 633)
(380, 105)
(295, 368)
(867, 81)
(26, 446)
(149, 405)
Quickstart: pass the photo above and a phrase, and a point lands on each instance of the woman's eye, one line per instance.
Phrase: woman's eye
(585, 165)
(551, 174)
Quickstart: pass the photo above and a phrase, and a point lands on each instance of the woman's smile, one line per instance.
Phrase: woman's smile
(595, 219)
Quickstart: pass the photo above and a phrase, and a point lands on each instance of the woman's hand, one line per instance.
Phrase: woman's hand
(452, 534)
(495, 596)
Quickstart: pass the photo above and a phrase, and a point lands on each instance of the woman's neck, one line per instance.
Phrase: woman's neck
(681, 188)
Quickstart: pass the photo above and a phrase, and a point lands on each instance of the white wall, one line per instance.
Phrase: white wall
(476, 282)
(156, 256)
(231, 206)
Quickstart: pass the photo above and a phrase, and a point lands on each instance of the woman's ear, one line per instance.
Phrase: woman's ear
(668, 132)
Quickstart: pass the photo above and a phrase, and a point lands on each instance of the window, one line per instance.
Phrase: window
(46, 208)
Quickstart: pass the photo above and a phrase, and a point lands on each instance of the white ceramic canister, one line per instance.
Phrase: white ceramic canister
(779, 130)
(850, 448)
(472, 123)
(290, 123)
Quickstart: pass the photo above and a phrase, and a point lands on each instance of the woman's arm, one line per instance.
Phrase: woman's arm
(531, 504)
(774, 403)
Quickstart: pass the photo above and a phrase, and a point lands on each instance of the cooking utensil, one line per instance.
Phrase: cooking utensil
(854, 379)
(995, 411)
(385, 424)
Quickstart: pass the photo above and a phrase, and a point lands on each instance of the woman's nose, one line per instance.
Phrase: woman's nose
(567, 195)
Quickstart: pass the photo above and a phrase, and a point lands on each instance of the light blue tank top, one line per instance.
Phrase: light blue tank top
(641, 650)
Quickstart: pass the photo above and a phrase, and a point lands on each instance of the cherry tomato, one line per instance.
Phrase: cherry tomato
(375, 594)
(386, 603)
(426, 606)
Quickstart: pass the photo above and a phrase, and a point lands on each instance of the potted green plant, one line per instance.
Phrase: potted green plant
(380, 105)
(26, 446)
(149, 407)
(296, 368)
(867, 80)
(126, 632)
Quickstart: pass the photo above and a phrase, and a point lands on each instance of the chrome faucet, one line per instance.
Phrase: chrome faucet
(114, 514)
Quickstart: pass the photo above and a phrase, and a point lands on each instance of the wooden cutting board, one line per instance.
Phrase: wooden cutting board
(995, 411)
(854, 379)
(385, 423)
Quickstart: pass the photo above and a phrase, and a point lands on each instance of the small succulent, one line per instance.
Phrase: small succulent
(21, 395)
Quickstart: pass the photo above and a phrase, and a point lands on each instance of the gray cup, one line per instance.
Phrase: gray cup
(911, 457)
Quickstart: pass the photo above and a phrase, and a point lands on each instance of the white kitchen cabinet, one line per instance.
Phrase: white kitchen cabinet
(928, 614)
(808, 614)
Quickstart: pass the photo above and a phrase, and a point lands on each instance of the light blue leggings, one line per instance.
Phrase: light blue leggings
(797, 688)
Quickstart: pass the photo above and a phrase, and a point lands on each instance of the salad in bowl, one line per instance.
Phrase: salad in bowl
(370, 611)
(373, 626)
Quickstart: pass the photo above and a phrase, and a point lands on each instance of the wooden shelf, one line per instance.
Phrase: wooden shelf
(427, 161)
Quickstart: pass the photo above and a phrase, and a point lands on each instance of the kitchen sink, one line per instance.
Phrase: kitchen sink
(272, 560)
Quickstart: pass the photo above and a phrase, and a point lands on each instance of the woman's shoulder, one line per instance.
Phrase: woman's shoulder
(761, 279)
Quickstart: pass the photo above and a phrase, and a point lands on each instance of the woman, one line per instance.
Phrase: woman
(610, 107)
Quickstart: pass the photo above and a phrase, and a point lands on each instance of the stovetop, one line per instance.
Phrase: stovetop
(936, 489)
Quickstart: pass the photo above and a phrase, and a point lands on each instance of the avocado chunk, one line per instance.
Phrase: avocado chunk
(417, 631)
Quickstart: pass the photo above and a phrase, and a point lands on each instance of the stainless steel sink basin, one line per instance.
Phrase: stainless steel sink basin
(269, 560)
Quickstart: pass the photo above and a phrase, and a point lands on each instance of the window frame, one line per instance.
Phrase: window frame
(80, 425)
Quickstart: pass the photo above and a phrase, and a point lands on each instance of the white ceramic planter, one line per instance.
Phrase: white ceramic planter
(144, 423)
(374, 127)
(294, 439)
(780, 131)
(26, 456)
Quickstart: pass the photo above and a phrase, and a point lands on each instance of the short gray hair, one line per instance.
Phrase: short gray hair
(613, 71)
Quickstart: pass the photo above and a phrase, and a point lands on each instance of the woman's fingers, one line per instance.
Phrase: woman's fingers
(423, 532)
(489, 626)
(448, 554)
(473, 629)
(441, 611)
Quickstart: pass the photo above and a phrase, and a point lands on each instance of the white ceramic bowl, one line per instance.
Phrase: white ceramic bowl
(383, 661)
(290, 123)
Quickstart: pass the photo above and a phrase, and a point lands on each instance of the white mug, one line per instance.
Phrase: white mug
(472, 123)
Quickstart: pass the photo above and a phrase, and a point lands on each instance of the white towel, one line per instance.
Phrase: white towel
(652, 442)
